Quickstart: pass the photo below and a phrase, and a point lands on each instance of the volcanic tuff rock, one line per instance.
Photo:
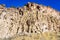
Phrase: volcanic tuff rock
(32, 18)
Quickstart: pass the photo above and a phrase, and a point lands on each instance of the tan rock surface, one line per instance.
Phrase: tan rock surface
(32, 18)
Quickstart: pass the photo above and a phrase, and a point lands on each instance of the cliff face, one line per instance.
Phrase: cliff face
(28, 20)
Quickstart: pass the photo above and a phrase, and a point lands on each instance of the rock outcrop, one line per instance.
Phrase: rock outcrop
(32, 18)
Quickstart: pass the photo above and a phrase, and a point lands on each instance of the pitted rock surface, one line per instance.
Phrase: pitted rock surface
(32, 18)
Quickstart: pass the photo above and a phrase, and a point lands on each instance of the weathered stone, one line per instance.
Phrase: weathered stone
(32, 18)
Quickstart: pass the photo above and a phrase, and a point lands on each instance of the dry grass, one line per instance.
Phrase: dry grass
(43, 36)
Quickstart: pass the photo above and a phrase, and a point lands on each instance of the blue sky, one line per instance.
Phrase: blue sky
(52, 3)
